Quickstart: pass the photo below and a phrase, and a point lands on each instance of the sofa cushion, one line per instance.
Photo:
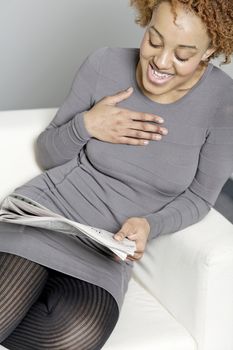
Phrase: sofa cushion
(145, 324)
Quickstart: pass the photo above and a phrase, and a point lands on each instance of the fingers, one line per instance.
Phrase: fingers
(120, 96)
(134, 257)
(136, 229)
(137, 142)
(119, 236)
(144, 117)
(146, 131)
(132, 127)
(127, 230)
(137, 256)
(139, 132)
(149, 127)
(133, 115)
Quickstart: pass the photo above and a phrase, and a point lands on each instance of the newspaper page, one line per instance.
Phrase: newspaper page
(19, 209)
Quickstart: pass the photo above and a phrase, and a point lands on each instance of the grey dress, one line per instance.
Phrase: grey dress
(172, 182)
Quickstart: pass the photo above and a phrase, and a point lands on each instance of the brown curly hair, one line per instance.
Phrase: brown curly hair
(216, 14)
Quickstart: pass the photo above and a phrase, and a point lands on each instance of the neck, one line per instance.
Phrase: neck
(175, 94)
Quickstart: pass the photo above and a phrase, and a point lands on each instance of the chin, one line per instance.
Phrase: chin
(154, 89)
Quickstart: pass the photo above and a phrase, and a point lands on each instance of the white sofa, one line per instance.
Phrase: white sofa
(181, 296)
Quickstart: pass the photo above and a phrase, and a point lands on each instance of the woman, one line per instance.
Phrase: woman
(111, 163)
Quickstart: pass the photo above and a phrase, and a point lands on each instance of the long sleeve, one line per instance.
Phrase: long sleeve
(66, 135)
(214, 168)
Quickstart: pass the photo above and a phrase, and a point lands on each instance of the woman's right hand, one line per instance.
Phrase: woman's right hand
(107, 122)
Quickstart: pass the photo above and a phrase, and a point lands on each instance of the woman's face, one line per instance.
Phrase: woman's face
(170, 53)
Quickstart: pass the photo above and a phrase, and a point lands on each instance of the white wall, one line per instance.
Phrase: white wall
(44, 41)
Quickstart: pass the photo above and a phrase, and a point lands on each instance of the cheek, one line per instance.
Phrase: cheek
(145, 49)
(186, 69)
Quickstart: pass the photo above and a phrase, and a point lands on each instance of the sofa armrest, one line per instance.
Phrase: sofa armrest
(19, 130)
(191, 273)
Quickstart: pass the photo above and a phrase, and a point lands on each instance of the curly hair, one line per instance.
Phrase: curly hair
(216, 14)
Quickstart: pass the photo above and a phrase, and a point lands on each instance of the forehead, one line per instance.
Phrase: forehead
(187, 29)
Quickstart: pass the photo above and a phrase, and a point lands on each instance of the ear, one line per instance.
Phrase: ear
(208, 53)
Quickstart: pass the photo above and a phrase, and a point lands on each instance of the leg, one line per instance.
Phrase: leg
(70, 314)
(21, 282)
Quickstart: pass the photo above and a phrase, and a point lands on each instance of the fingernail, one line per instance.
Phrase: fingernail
(130, 89)
(146, 142)
(118, 238)
(161, 120)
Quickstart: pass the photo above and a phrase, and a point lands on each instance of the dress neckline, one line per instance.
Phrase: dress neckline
(146, 99)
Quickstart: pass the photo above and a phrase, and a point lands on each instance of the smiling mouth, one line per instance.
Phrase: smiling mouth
(160, 74)
(158, 78)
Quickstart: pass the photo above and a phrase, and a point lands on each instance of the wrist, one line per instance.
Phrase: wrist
(147, 223)
(87, 122)
(79, 125)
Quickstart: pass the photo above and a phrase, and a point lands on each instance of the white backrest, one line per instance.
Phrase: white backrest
(18, 132)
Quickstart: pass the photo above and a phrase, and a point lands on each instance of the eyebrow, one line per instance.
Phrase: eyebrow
(181, 46)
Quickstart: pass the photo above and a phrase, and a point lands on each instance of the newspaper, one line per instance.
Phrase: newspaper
(19, 209)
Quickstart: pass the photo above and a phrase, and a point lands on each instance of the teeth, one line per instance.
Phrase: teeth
(160, 75)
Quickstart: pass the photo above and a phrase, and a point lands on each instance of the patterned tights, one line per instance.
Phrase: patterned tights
(43, 309)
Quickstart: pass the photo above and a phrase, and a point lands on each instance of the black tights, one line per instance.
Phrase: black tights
(44, 309)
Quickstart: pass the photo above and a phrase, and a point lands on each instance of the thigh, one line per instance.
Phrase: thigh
(21, 282)
(69, 314)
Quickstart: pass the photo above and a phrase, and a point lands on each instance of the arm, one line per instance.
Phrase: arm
(66, 135)
(214, 168)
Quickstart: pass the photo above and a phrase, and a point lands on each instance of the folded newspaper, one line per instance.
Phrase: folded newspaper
(19, 209)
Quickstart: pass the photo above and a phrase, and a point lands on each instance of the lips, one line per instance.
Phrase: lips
(157, 77)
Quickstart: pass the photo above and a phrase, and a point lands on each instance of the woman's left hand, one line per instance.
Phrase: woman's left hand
(136, 229)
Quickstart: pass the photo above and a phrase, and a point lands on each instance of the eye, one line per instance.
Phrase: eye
(181, 59)
(154, 45)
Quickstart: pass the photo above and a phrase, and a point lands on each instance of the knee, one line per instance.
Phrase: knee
(84, 327)
(21, 282)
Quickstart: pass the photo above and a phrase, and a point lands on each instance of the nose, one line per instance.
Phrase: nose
(163, 60)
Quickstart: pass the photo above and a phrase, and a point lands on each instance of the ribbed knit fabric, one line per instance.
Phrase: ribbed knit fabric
(172, 182)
